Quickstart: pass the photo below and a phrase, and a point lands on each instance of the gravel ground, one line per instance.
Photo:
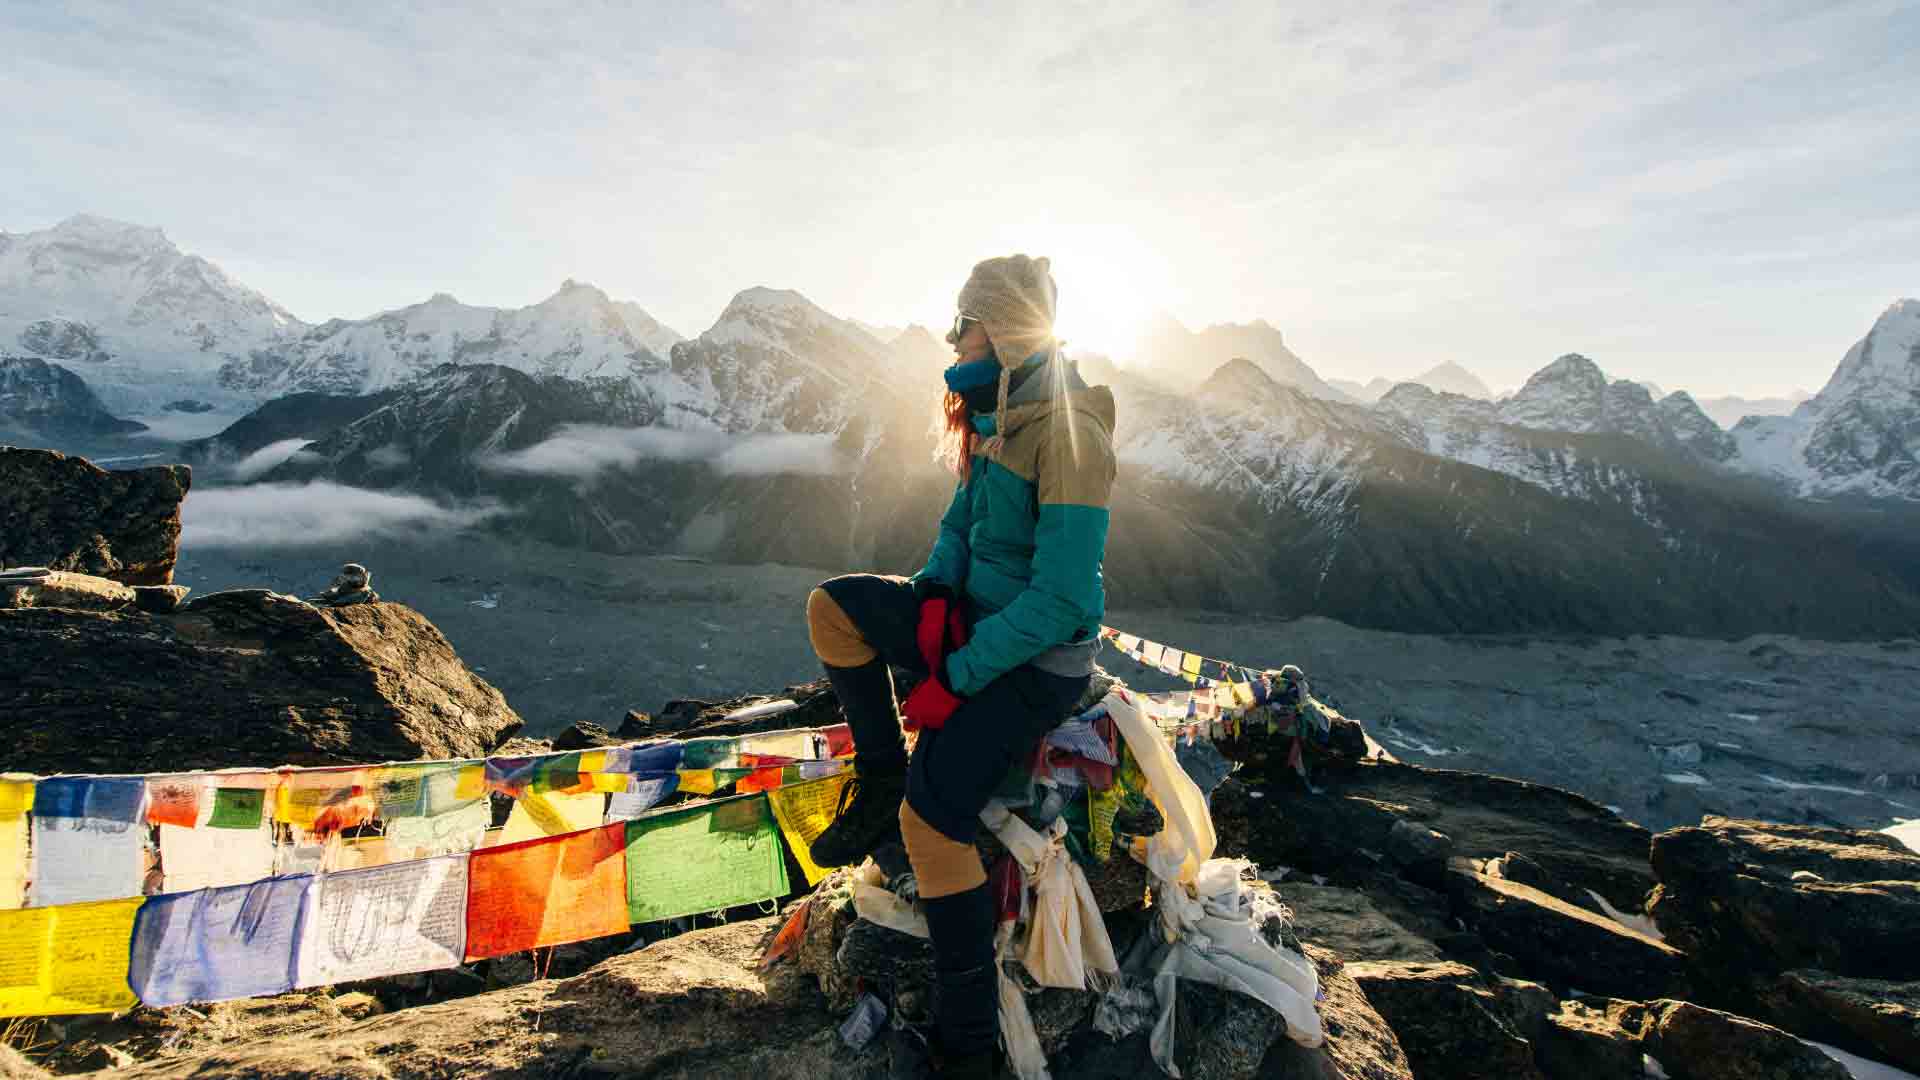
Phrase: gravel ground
(1661, 728)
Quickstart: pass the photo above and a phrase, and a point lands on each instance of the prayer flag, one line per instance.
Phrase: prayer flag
(762, 779)
(16, 797)
(203, 858)
(1127, 642)
(115, 800)
(303, 795)
(535, 815)
(218, 944)
(388, 920)
(1170, 661)
(237, 808)
(703, 858)
(697, 781)
(81, 859)
(839, 740)
(1151, 653)
(707, 753)
(804, 811)
(70, 959)
(547, 892)
(461, 829)
(175, 800)
(643, 794)
(1191, 664)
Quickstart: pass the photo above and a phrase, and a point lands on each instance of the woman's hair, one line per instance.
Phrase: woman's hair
(956, 435)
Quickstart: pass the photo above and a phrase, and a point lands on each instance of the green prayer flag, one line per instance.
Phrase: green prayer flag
(557, 773)
(709, 753)
(704, 858)
(237, 808)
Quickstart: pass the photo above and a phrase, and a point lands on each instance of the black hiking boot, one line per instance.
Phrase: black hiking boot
(869, 816)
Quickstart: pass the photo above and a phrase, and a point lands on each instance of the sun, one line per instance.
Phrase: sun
(1111, 284)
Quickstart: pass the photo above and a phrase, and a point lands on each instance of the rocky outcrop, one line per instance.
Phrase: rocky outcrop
(1695, 1043)
(237, 678)
(1449, 1023)
(65, 513)
(1565, 946)
(1870, 1016)
(1791, 896)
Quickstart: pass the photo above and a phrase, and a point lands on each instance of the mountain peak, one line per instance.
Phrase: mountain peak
(763, 298)
(442, 299)
(1238, 377)
(95, 229)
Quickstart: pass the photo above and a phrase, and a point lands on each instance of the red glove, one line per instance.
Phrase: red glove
(941, 630)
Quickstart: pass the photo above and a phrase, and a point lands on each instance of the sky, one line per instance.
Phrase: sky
(1717, 197)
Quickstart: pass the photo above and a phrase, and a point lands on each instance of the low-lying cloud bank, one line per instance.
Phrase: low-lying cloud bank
(584, 450)
(262, 460)
(294, 515)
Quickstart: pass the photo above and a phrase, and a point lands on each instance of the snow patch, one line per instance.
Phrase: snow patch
(1639, 924)
(1795, 785)
(1691, 779)
(1861, 1068)
(1907, 832)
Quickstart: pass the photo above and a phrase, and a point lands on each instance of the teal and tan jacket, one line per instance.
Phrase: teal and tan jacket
(1026, 533)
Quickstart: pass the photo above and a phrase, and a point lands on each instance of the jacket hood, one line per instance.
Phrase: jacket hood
(1058, 388)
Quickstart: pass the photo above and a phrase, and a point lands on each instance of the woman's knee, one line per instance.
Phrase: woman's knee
(836, 640)
(942, 866)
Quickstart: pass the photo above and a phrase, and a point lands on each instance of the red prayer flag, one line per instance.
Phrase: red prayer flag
(548, 891)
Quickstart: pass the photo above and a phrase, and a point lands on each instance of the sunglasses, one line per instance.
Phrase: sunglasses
(961, 324)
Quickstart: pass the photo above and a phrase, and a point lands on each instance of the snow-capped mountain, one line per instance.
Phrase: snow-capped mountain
(917, 351)
(1181, 358)
(775, 361)
(42, 401)
(578, 332)
(144, 321)
(1730, 409)
(1860, 435)
(1446, 378)
(1571, 396)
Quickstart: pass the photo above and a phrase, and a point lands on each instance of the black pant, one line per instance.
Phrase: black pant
(955, 770)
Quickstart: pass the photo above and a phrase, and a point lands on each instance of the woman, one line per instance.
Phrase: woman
(1003, 622)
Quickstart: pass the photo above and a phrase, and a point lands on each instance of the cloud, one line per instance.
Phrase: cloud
(585, 450)
(295, 515)
(267, 457)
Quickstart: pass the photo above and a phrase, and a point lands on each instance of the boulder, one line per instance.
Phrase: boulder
(65, 513)
(1348, 923)
(1348, 825)
(15, 1066)
(1578, 1041)
(1750, 897)
(65, 589)
(1870, 1017)
(1695, 1043)
(160, 599)
(237, 678)
(1564, 946)
(1360, 1044)
(1449, 1023)
(1420, 852)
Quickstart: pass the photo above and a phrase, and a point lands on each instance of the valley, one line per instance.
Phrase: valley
(1664, 728)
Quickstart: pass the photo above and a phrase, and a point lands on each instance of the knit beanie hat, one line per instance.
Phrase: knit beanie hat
(1013, 297)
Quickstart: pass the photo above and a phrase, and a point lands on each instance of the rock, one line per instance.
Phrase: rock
(1346, 738)
(1870, 1017)
(1728, 895)
(160, 599)
(1580, 1041)
(1563, 946)
(1578, 841)
(1515, 866)
(1525, 1004)
(1360, 1044)
(64, 589)
(585, 735)
(1421, 853)
(65, 513)
(15, 1066)
(1347, 922)
(358, 1005)
(238, 678)
(1695, 1043)
(1450, 1025)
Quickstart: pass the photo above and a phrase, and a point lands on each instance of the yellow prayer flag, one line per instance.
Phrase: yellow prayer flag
(471, 783)
(1191, 665)
(16, 794)
(1243, 694)
(551, 813)
(696, 781)
(804, 811)
(13, 862)
(593, 761)
(611, 783)
(67, 959)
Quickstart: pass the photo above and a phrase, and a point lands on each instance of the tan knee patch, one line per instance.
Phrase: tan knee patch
(942, 865)
(836, 641)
